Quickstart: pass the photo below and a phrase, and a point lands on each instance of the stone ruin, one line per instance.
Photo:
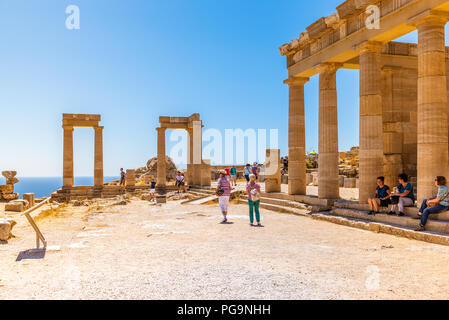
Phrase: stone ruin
(7, 190)
(149, 172)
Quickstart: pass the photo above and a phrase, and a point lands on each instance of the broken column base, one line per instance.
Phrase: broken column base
(161, 198)
(6, 226)
(161, 194)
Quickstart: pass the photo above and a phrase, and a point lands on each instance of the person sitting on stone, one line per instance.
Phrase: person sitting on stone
(404, 191)
(382, 198)
(435, 205)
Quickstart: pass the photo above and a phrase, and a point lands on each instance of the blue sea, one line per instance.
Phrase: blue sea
(44, 187)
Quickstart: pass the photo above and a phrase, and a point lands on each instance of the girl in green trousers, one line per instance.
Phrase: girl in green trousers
(253, 191)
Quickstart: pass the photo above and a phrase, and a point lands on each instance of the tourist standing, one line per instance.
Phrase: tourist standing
(153, 190)
(255, 170)
(180, 181)
(233, 173)
(253, 191)
(122, 177)
(247, 172)
(436, 205)
(224, 193)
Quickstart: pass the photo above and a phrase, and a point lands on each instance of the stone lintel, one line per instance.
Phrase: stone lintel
(80, 120)
(85, 117)
(80, 123)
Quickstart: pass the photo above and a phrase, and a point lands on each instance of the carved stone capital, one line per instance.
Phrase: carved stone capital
(369, 47)
(429, 17)
(328, 67)
(296, 81)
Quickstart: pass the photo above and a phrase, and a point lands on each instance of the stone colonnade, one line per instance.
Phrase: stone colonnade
(381, 144)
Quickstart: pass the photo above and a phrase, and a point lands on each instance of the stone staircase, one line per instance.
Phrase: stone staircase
(360, 212)
(200, 195)
(284, 203)
(343, 212)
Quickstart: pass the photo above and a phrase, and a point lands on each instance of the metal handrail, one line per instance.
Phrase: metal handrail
(39, 235)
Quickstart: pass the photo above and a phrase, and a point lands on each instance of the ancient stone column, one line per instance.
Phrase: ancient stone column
(98, 167)
(161, 166)
(189, 156)
(197, 150)
(328, 186)
(67, 173)
(296, 137)
(432, 102)
(371, 140)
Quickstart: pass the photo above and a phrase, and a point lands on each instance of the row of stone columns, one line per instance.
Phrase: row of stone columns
(68, 177)
(433, 129)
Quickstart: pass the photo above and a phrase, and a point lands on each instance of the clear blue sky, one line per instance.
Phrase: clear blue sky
(133, 61)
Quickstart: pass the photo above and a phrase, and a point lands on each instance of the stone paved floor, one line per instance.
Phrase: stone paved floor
(142, 251)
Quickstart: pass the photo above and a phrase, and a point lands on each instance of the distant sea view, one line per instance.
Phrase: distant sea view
(43, 187)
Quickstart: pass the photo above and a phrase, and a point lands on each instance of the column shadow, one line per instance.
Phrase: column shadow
(32, 254)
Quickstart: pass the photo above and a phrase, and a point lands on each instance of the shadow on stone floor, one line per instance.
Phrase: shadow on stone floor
(32, 254)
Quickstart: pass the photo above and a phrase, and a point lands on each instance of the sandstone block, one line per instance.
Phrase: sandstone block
(30, 198)
(16, 206)
(10, 196)
(5, 230)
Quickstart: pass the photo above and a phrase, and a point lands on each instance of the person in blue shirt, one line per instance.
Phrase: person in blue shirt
(435, 205)
(247, 171)
(382, 198)
(404, 192)
(233, 173)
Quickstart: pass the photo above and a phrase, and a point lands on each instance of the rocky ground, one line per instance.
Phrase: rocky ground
(174, 251)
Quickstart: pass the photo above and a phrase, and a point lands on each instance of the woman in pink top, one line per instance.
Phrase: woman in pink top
(223, 192)
(253, 191)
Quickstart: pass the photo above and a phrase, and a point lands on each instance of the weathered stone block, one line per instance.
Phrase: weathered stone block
(30, 198)
(16, 206)
(5, 230)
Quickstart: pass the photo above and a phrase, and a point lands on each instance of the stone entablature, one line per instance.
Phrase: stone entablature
(338, 34)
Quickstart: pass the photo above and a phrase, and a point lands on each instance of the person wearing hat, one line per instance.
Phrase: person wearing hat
(224, 193)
